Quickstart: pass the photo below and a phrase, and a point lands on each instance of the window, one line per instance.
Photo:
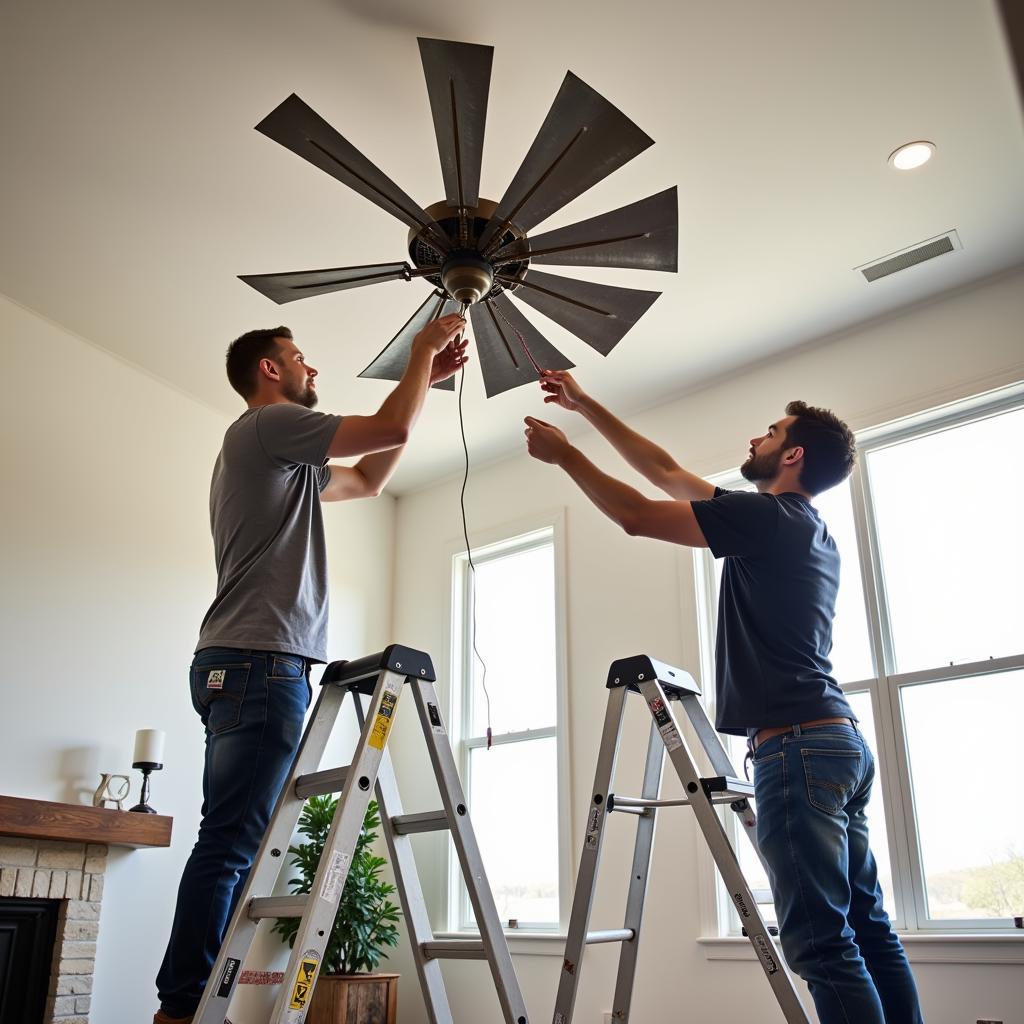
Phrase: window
(515, 790)
(928, 644)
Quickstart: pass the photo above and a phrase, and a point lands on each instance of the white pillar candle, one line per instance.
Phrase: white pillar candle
(149, 746)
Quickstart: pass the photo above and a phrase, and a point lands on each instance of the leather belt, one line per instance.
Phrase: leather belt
(763, 735)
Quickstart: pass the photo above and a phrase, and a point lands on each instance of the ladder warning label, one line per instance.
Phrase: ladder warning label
(669, 733)
(593, 826)
(382, 723)
(335, 877)
(304, 980)
(435, 718)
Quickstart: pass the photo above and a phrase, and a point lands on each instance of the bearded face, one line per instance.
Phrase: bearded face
(762, 466)
(300, 391)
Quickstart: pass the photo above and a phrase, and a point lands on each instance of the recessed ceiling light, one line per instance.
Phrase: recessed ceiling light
(912, 155)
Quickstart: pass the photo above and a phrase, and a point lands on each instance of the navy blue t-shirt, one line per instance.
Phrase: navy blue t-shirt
(775, 611)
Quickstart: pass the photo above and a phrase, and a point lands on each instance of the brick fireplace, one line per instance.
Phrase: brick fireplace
(57, 854)
(71, 873)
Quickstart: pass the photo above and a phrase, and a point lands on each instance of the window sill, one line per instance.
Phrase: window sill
(522, 943)
(921, 949)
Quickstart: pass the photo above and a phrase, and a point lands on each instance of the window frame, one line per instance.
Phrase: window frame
(510, 538)
(885, 687)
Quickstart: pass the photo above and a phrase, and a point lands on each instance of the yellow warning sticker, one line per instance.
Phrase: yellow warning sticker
(382, 723)
(304, 980)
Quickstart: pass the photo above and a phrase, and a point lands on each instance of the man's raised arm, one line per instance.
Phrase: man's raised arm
(643, 455)
(390, 425)
(368, 477)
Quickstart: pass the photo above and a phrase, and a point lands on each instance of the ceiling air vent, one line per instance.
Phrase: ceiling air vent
(895, 261)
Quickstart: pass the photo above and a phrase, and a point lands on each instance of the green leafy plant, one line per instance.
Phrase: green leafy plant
(366, 918)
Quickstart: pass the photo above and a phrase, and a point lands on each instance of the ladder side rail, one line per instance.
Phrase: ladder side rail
(722, 765)
(725, 857)
(315, 925)
(590, 857)
(513, 1006)
(410, 893)
(266, 866)
(639, 877)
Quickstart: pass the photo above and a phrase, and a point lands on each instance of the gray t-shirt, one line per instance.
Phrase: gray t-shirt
(268, 533)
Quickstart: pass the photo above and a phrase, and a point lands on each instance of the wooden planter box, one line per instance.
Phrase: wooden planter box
(354, 999)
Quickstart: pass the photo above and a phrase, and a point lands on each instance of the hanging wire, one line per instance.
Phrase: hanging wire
(519, 335)
(469, 550)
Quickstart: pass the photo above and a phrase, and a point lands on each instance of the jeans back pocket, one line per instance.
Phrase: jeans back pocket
(286, 666)
(832, 776)
(218, 690)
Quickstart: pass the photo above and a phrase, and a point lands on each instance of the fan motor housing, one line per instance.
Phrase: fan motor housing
(464, 273)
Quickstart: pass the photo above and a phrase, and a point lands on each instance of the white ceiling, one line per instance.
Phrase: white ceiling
(135, 190)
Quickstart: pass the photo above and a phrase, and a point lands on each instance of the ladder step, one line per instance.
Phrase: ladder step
(318, 783)
(611, 935)
(728, 786)
(427, 821)
(454, 949)
(638, 805)
(277, 906)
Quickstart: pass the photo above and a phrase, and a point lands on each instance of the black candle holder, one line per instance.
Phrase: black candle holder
(142, 807)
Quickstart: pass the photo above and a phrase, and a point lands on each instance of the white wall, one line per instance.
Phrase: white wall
(107, 570)
(627, 595)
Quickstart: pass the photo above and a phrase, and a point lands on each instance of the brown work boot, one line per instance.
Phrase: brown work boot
(161, 1018)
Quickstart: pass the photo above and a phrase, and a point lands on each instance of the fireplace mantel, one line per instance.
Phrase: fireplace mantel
(77, 823)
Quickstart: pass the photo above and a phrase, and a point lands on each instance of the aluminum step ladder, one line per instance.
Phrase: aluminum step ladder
(662, 686)
(383, 678)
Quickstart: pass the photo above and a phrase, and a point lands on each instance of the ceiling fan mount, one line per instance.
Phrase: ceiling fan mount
(477, 252)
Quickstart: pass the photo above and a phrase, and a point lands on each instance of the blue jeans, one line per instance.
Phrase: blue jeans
(811, 788)
(252, 704)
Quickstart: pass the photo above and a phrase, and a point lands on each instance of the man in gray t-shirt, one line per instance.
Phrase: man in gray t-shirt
(249, 680)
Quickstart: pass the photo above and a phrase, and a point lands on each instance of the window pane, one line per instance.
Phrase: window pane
(963, 740)
(851, 648)
(514, 803)
(515, 621)
(948, 509)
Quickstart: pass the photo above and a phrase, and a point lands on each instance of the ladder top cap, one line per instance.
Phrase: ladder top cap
(642, 668)
(407, 661)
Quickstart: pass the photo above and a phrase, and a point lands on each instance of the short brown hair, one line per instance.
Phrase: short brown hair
(830, 449)
(245, 353)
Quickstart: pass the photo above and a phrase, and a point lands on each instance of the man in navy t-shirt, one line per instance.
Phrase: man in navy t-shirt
(774, 684)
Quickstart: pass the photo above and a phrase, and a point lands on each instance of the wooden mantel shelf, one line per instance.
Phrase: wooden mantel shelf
(77, 823)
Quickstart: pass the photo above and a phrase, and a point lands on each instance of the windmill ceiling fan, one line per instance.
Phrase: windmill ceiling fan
(476, 252)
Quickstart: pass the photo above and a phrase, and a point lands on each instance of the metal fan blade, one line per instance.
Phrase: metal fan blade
(599, 314)
(298, 127)
(583, 139)
(390, 364)
(300, 284)
(458, 78)
(641, 236)
(504, 362)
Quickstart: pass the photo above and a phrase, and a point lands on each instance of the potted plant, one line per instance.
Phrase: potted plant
(347, 991)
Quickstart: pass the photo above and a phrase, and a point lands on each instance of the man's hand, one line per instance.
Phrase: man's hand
(449, 361)
(438, 334)
(546, 442)
(561, 387)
